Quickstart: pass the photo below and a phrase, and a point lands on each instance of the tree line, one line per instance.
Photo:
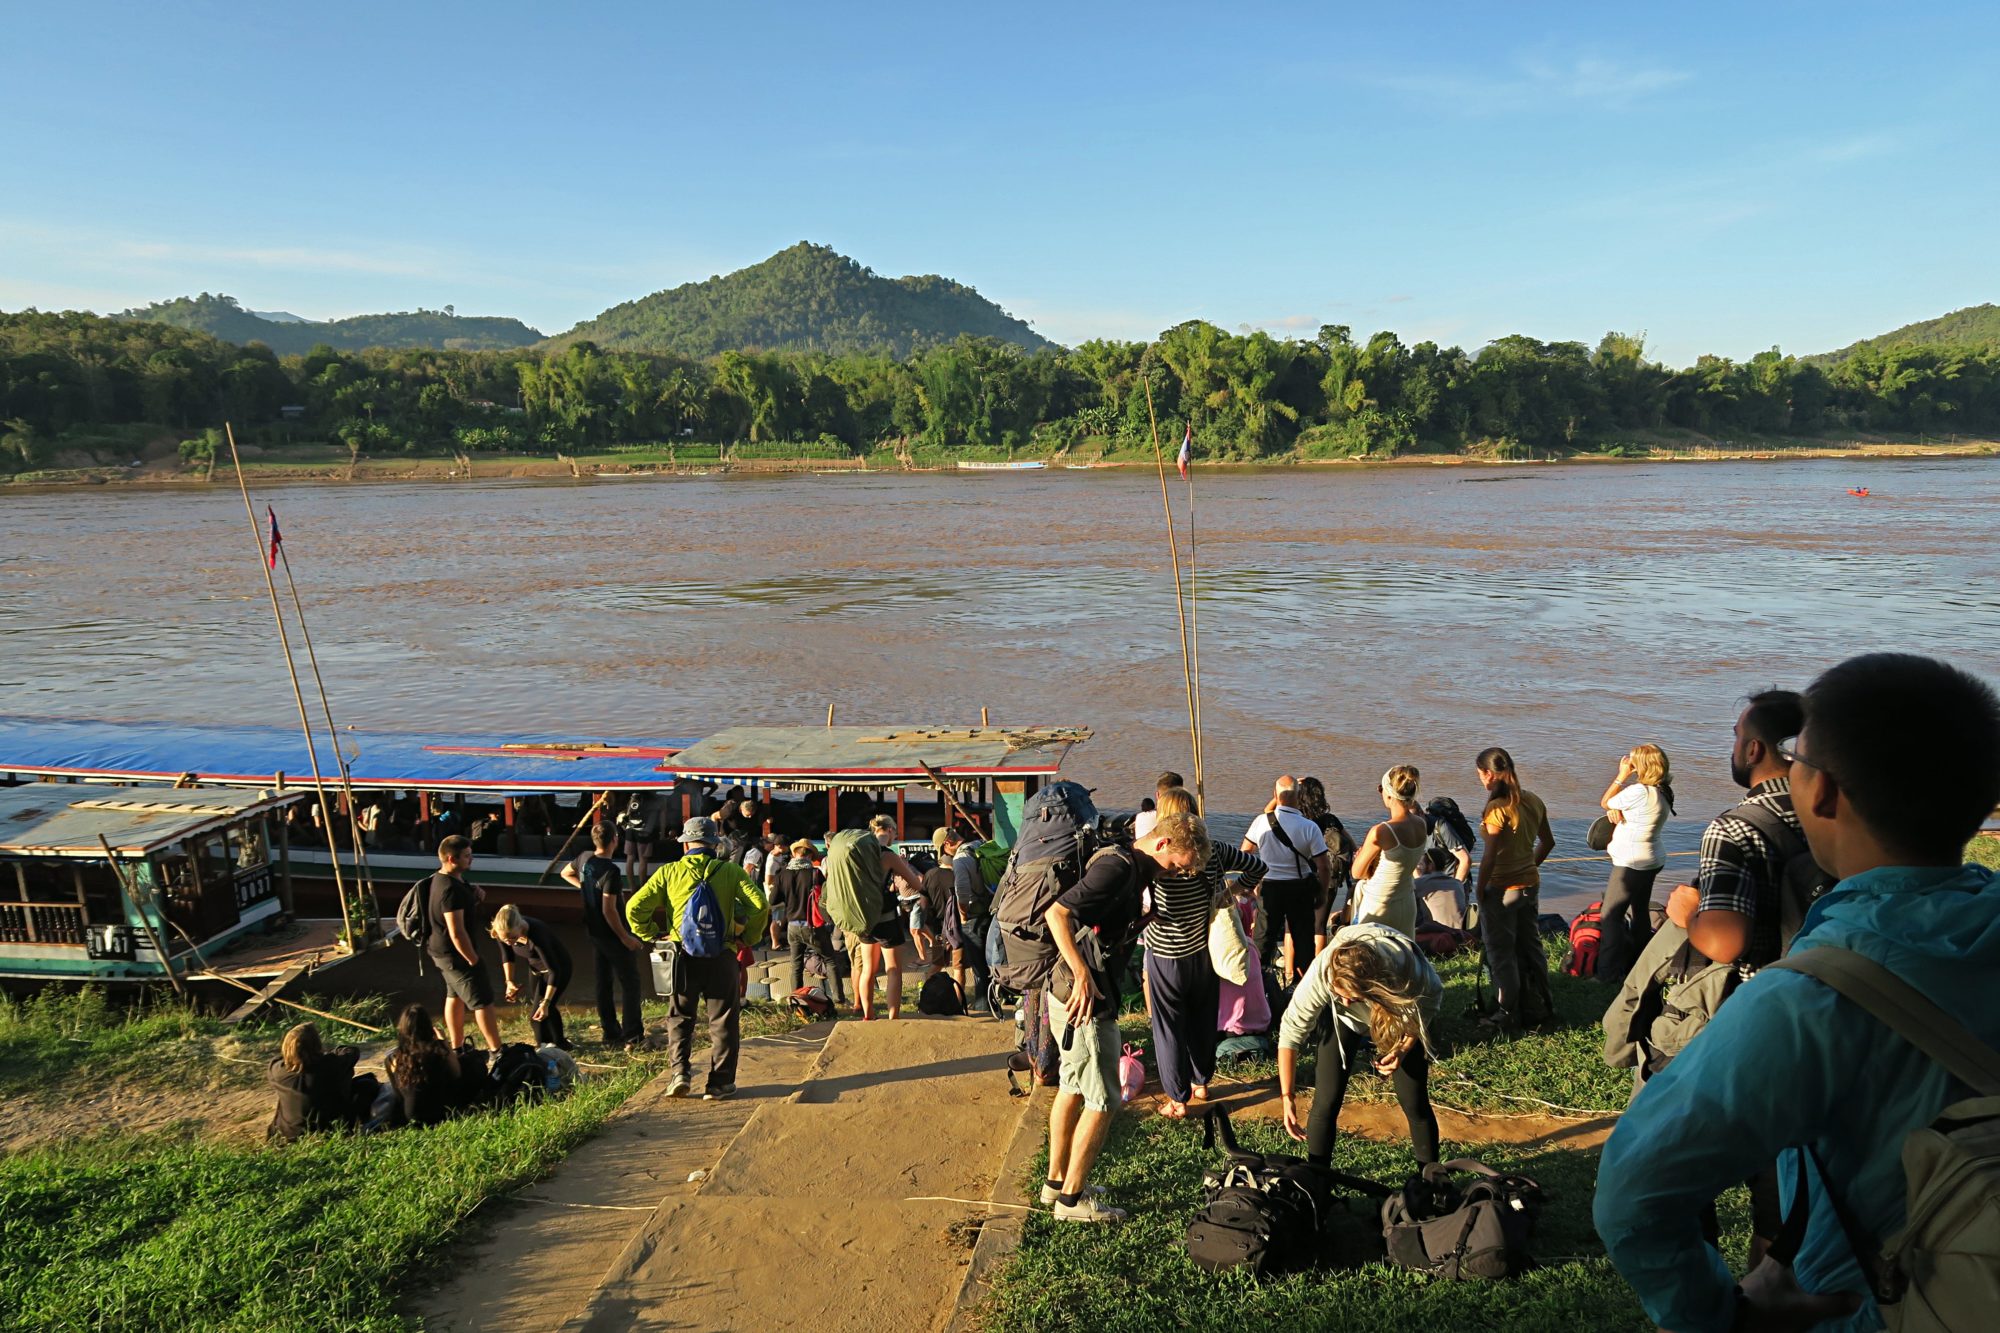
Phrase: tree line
(63, 375)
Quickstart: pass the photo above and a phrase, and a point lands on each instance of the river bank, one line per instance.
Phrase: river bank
(312, 464)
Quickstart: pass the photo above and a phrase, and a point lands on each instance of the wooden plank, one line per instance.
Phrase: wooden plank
(266, 995)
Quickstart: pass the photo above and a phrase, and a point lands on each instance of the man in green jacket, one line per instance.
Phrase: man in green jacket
(654, 913)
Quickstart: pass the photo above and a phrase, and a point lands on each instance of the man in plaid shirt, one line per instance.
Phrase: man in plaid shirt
(1731, 913)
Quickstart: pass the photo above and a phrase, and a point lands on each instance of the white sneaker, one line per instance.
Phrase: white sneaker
(1089, 1208)
(1052, 1195)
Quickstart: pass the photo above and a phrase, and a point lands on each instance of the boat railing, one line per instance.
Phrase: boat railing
(44, 923)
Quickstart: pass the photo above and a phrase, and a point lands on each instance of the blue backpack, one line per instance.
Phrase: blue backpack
(701, 922)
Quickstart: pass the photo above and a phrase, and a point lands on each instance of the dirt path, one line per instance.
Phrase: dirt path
(849, 1205)
(1384, 1120)
(541, 1254)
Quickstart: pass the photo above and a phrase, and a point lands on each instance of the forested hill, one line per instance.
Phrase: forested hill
(225, 319)
(806, 299)
(1974, 326)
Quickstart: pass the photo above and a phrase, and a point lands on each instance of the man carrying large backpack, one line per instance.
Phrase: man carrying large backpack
(706, 909)
(974, 898)
(1090, 924)
(858, 866)
(1835, 1073)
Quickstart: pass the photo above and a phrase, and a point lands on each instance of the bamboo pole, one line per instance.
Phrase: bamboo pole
(145, 922)
(367, 884)
(298, 694)
(950, 801)
(1174, 548)
(1194, 655)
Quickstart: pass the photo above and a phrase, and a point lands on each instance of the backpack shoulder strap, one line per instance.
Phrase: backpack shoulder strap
(1785, 841)
(1278, 830)
(1904, 1010)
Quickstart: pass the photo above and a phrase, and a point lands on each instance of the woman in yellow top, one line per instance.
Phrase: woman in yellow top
(1518, 840)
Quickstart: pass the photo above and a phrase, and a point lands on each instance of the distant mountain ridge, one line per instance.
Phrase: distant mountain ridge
(1975, 325)
(807, 298)
(223, 318)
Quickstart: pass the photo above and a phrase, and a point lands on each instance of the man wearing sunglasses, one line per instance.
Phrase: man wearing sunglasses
(1896, 767)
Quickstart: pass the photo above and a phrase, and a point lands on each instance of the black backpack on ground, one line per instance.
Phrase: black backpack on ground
(941, 996)
(1263, 1212)
(1444, 810)
(413, 914)
(1481, 1231)
(519, 1075)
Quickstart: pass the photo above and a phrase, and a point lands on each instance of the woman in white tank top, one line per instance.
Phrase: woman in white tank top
(1385, 867)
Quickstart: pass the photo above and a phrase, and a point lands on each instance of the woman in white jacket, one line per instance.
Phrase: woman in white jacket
(1379, 985)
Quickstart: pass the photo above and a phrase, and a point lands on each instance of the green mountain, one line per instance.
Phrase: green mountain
(1974, 326)
(225, 319)
(806, 298)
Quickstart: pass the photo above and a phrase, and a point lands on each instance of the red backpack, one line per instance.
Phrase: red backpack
(1583, 936)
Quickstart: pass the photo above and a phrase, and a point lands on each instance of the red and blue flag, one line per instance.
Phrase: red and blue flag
(1187, 451)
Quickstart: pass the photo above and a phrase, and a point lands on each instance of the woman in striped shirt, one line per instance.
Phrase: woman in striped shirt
(1181, 984)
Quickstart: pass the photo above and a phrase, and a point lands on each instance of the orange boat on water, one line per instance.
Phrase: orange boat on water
(1861, 491)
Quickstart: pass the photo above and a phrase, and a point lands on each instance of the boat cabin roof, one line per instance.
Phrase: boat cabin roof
(854, 757)
(254, 756)
(59, 819)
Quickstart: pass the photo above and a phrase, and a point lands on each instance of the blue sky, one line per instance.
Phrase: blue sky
(1723, 177)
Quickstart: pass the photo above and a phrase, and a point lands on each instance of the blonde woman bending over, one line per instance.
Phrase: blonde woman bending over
(1379, 985)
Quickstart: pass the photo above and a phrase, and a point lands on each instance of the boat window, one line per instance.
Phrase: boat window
(215, 864)
(248, 847)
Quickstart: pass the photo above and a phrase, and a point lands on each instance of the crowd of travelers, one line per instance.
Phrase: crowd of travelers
(1844, 857)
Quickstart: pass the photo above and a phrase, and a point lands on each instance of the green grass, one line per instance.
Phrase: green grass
(1984, 852)
(59, 1037)
(1136, 1275)
(171, 1231)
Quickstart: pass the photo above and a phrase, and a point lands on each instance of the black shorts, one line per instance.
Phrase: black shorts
(891, 933)
(467, 982)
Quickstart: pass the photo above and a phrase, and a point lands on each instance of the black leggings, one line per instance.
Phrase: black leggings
(1288, 908)
(1339, 1056)
(1625, 923)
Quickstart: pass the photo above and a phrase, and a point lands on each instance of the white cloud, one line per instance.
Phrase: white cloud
(1532, 83)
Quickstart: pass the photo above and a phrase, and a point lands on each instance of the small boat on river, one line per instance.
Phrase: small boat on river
(1034, 465)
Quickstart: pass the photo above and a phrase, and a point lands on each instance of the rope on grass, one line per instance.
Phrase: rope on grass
(598, 1207)
(1576, 1112)
(977, 1203)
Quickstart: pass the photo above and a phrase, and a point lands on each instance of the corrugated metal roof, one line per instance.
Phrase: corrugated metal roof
(61, 819)
(874, 756)
(253, 756)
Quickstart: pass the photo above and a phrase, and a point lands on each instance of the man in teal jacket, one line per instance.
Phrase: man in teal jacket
(1897, 767)
(654, 913)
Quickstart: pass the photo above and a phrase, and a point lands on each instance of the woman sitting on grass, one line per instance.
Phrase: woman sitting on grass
(1379, 985)
(423, 1071)
(317, 1089)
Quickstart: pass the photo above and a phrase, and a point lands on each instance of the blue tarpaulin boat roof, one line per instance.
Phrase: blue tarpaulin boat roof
(253, 756)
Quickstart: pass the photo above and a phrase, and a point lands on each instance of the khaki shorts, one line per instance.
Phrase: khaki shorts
(1089, 1067)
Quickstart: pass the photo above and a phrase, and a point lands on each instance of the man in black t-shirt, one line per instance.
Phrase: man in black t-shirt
(597, 876)
(1092, 926)
(454, 948)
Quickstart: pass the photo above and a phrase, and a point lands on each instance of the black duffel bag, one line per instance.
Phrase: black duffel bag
(1263, 1211)
(1433, 1226)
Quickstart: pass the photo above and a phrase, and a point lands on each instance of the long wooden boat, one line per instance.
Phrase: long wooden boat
(526, 800)
(1025, 465)
(191, 878)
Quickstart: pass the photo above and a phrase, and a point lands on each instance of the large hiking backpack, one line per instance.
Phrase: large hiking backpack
(1800, 879)
(942, 996)
(1669, 996)
(1057, 842)
(413, 914)
(1433, 1226)
(852, 894)
(1443, 810)
(701, 925)
(1942, 1270)
(1585, 932)
(1262, 1212)
(519, 1074)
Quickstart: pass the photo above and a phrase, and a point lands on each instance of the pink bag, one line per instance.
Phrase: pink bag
(1131, 1073)
(1244, 1009)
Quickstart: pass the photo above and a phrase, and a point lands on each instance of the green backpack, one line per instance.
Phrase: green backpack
(1941, 1272)
(992, 857)
(1668, 997)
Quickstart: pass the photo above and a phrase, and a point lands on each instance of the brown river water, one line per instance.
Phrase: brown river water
(1349, 618)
